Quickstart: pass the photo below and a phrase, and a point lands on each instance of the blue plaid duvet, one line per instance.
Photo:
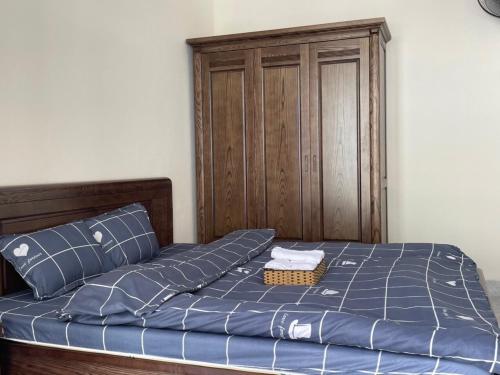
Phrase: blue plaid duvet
(413, 309)
(402, 298)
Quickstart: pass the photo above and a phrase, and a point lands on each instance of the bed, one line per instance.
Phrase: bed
(33, 329)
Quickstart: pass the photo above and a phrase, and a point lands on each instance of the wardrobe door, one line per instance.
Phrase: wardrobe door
(340, 140)
(283, 144)
(226, 81)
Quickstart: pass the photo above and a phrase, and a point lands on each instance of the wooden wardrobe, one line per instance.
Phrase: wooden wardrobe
(290, 132)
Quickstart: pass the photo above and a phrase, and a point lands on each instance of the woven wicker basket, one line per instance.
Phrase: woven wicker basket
(279, 277)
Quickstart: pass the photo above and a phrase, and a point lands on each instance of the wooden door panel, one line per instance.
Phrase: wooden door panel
(228, 129)
(339, 120)
(340, 140)
(281, 88)
(282, 147)
(226, 86)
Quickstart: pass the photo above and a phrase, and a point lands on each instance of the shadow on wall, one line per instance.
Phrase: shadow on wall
(493, 289)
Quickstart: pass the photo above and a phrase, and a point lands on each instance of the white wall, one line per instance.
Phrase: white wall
(443, 111)
(99, 90)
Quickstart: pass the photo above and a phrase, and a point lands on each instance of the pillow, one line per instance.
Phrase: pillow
(126, 235)
(56, 260)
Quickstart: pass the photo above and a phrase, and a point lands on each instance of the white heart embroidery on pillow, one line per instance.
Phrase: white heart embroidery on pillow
(22, 250)
(98, 236)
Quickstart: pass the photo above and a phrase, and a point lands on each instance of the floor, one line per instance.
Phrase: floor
(493, 288)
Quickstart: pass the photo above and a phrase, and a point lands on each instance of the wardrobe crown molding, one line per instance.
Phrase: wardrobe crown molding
(371, 25)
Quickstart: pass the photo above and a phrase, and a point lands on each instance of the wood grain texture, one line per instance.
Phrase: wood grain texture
(227, 148)
(340, 140)
(260, 198)
(364, 140)
(228, 127)
(283, 152)
(281, 92)
(30, 208)
(340, 174)
(282, 41)
(251, 139)
(198, 134)
(315, 141)
(305, 143)
(375, 128)
(206, 228)
(23, 359)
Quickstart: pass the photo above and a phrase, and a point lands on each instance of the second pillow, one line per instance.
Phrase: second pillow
(125, 234)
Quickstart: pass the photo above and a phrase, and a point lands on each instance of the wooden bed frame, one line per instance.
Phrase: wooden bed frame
(29, 208)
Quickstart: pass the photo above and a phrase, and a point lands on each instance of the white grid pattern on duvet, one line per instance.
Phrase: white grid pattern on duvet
(230, 287)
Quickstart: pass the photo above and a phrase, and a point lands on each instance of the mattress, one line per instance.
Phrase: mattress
(25, 319)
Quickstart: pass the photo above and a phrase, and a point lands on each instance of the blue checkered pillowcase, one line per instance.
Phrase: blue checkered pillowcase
(126, 235)
(56, 260)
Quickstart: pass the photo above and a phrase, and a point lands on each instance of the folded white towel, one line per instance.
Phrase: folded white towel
(286, 265)
(310, 256)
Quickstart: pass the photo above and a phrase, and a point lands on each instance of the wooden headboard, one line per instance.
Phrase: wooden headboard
(28, 208)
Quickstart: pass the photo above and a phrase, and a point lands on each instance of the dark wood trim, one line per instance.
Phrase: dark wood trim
(364, 151)
(259, 144)
(29, 208)
(375, 195)
(306, 141)
(335, 27)
(18, 358)
(281, 41)
(383, 140)
(198, 129)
